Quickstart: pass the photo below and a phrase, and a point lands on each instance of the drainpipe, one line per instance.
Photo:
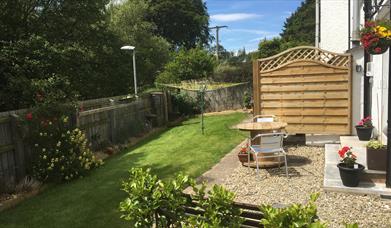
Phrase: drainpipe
(349, 20)
(317, 24)
(388, 168)
(367, 89)
(356, 23)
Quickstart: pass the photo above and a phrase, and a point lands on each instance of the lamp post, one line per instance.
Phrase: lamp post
(131, 48)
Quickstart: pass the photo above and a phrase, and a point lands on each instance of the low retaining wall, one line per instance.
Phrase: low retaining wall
(227, 98)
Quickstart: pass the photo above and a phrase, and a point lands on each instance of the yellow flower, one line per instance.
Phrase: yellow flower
(382, 31)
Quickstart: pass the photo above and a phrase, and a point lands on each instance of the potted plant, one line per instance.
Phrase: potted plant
(376, 36)
(376, 155)
(364, 129)
(243, 154)
(349, 170)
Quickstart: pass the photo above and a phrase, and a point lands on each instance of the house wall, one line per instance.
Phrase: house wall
(379, 86)
(334, 25)
(334, 36)
(357, 85)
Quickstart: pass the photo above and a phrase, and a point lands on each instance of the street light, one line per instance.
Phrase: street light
(131, 48)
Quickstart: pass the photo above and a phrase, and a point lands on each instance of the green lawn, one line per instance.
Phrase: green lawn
(93, 200)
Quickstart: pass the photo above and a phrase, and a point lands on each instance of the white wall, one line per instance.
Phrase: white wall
(379, 86)
(357, 85)
(334, 25)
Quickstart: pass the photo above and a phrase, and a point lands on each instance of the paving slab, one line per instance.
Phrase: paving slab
(332, 180)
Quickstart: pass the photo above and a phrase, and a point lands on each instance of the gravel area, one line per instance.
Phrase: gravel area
(306, 166)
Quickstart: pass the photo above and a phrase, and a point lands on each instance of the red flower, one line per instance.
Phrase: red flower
(29, 116)
(360, 123)
(343, 151)
(378, 50)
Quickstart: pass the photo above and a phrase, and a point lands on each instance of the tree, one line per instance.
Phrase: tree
(184, 23)
(299, 29)
(300, 26)
(129, 22)
(42, 38)
(195, 63)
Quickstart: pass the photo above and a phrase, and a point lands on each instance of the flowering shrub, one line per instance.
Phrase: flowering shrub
(347, 156)
(376, 36)
(365, 122)
(59, 151)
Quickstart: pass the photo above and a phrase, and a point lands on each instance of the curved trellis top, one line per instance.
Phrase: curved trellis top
(304, 53)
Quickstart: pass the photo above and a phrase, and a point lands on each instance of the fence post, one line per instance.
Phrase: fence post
(165, 106)
(20, 158)
(111, 120)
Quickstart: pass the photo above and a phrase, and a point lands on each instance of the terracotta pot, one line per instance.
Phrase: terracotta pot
(244, 157)
(350, 176)
(377, 158)
(364, 133)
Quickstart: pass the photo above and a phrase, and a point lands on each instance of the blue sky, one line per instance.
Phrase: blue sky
(249, 21)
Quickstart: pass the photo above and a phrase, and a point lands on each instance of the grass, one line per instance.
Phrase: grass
(93, 200)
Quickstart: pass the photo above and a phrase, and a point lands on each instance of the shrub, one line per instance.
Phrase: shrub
(59, 151)
(61, 156)
(233, 72)
(375, 144)
(247, 99)
(185, 104)
(195, 63)
(296, 215)
(152, 201)
(219, 210)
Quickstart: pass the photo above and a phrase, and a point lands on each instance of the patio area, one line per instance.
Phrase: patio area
(306, 169)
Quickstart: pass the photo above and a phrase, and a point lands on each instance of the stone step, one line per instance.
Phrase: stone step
(332, 180)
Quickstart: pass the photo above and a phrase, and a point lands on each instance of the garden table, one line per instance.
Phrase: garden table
(260, 128)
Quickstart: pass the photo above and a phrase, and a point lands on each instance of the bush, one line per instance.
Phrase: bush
(296, 215)
(185, 104)
(219, 210)
(233, 72)
(247, 99)
(195, 63)
(152, 201)
(59, 152)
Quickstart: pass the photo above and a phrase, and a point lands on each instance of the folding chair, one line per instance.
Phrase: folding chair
(270, 145)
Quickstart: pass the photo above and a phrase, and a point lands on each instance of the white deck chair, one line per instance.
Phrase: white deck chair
(270, 145)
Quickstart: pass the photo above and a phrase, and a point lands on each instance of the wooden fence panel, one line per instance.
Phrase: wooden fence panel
(306, 87)
(105, 121)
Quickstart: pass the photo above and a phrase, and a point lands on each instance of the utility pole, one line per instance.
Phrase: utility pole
(217, 38)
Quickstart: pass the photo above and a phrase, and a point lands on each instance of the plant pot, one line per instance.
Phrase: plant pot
(364, 133)
(377, 158)
(244, 157)
(350, 177)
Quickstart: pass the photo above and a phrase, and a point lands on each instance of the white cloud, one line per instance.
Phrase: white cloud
(267, 36)
(234, 16)
(252, 31)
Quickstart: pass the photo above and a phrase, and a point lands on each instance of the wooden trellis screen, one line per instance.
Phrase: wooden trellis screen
(306, 87)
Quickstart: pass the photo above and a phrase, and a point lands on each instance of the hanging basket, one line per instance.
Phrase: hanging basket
(376, 36)
(377, 50)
